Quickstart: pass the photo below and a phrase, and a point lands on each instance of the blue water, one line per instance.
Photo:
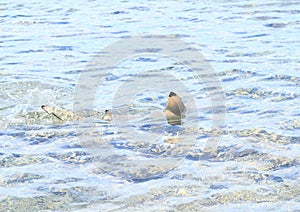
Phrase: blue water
(251, 46)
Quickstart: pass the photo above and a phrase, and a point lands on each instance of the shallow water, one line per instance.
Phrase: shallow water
(139, 162)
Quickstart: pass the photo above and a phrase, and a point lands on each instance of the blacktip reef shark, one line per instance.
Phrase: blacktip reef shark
(174, 111)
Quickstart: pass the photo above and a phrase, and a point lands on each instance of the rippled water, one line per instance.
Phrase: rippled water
(47, 164)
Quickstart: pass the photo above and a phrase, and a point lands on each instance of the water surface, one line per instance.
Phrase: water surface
(253, 48)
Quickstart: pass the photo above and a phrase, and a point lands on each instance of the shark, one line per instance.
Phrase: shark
(174, 111)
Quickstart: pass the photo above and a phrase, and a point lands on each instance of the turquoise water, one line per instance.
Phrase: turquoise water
(253, 49)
